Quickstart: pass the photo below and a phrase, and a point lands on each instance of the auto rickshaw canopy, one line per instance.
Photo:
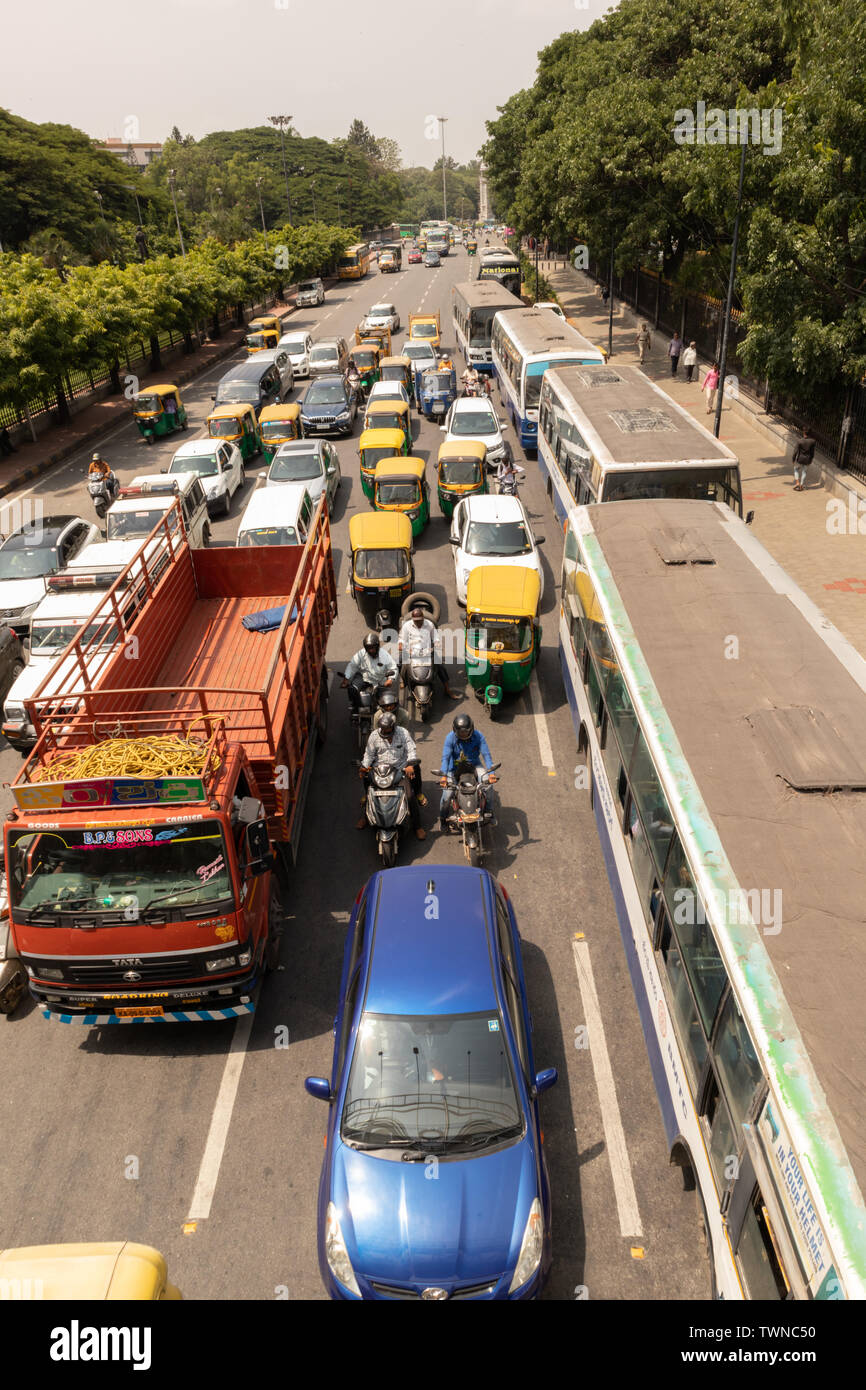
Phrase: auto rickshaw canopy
(404, 362)
(261, 339)
(502, 591)
(268, 322)
(152, 401)
(390, 405)
(460, 450)
(365, 356)
(107, 1270)
(393, 470)
(380, 439)
(276, 414)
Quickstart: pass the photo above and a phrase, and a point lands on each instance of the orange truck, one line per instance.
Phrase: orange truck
(164, 797)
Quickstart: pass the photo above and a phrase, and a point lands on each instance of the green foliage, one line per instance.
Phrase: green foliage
(422, 192)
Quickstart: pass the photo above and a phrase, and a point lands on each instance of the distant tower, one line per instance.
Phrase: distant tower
(483, 202)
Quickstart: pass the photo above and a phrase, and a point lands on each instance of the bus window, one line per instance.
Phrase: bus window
(653, 806)
(723, 1146)
(680, 998)
(593, 690)
(735, 1057)
(641, 859)
(757, 1257)
(615, 697)
(703, 963)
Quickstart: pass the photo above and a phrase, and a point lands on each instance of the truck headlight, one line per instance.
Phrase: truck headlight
(46, 972)
(244, 957)
(222, 963)
(531, 1248)
(336, 1253)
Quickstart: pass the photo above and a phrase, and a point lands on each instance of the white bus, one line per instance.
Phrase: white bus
(608, 433)
(475, 302)
(524, 344)
(718, 709)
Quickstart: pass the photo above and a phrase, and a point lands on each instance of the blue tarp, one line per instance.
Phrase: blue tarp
(268, 619)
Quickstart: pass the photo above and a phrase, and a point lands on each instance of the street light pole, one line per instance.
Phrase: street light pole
(723, 360)
(176, 214)
(284, 123)
(610, 300)
(442, 120)
(313, 187)
(262, 211)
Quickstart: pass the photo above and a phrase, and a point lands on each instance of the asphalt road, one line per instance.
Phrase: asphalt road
(201, 1140)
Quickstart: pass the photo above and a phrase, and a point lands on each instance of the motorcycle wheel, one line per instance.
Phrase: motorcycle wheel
(389, 853)
(494, 712)
(423, 713)
(100, 509)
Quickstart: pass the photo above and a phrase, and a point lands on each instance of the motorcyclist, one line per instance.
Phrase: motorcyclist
(102, 470)
(369, 664)
(464, 743)
(419, 640)
(393, 745)
(507, 472)
(389, 704)
(354, 378)
(469, 381)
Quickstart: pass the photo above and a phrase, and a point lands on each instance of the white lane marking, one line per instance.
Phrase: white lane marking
(208, 1172)
(541, 730)
(617, 1152)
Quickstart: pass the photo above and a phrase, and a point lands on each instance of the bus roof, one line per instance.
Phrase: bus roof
(485, 294)
(626, 419)
(543, 332)
(765, 752)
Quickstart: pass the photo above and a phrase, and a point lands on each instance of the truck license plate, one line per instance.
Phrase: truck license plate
(143, 1011)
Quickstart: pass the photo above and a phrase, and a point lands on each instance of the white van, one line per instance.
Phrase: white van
(148, 497)
(277, 516)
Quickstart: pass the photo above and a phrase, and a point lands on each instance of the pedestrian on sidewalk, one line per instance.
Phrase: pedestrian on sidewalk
(6, 445)
(690, 357)
(804, 454)
(643, 342)
(605, 294)
(711, 386)
(674, 349)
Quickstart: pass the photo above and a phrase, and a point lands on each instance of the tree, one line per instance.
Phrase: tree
(363, 139)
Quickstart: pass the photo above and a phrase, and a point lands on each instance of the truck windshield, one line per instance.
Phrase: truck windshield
(119, 871)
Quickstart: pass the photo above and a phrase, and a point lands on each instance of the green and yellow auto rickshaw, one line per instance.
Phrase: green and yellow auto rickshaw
(399, 369)
(461, 470)
(261, 339)
(471, 246)
(503, 634)
(400, 485)
(366, 359)
(382, 574)
(279, 424)
(383, 414)
(159, 410)
(238, 424)
(375, 445)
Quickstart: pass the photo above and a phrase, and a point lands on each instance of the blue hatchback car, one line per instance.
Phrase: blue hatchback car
(434, 1184)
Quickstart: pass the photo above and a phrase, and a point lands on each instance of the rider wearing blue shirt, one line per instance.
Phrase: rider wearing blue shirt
(464, 742)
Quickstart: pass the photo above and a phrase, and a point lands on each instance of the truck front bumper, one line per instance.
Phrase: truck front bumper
(95, 1008)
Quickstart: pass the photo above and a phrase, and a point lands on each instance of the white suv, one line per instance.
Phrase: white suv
(298, 346)
(219, 465)
(492, 531)
(473, 417)
(381, 316)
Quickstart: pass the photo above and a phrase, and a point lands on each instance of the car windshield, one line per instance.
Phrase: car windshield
(381, 311)
(468, 422)
(497, 538)
(27, 562)
(325, 393)
(237, 393)
(181, 870)
(439, 1082)
(269, 535)
(324, 354)
(398, 494)
(307, 285)
(48, 636)
(461, 471)
(133, 523)
(204, 464)
(418, 352)
(381, 564)
(295, 468)
(295, 347)
(515, 637)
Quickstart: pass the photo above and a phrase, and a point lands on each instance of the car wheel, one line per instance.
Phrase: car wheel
(243, 477)
(17, 668)
(227, 502)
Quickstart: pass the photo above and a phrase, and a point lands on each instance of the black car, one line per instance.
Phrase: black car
(256, 383)
(329, 406)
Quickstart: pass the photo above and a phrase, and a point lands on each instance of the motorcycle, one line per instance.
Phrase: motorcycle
(469, 811)
(363, 717)
(419, 684)
(103, 491)
(470, 388)
(507, 487)
(387, 809)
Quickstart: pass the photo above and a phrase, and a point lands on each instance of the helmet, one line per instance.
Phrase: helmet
(97, 457)
(463, 727)
(388, 701)
(387, 724)
(371, 642)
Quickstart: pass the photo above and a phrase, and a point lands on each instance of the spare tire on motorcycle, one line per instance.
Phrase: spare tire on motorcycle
(421, 599)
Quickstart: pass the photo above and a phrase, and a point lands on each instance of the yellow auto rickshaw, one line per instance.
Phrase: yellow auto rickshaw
(271, 322)
(400, 485)
(260, 339)
(390, 415)
(375, 445)
(279, 424)
(366, 359)
(239, 425)
(104, 1271)
(159, 410)
(461, 470)
(382, 571)
(398, 369)
(503, 634)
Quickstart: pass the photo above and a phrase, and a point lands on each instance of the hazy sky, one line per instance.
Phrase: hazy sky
(219, 64)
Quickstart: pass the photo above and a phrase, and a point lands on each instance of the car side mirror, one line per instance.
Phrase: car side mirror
(443, 429)
(453, 540)
(545, 1079)
(750, 517)
(163, 470)
(539, 540)
(319, 1088)
(213, 398)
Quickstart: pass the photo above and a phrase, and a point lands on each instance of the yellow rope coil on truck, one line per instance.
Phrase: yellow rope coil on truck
(164, 755)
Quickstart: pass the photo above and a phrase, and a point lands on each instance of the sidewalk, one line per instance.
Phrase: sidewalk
(89, 425)
(792, 525)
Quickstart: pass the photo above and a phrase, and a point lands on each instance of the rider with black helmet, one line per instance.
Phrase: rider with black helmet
(371, 665)
(465, 743)
(392, 744)
(389, 704)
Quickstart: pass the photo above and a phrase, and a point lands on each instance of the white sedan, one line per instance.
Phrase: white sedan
(492, 531)
(552, 306)
(382, 316)
(219, 465)
(473, 417)
(388, 391)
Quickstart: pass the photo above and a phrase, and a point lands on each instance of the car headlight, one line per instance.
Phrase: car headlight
(13, 713)
(222, 963)
(343, 415)
(466, 574)
(45, 972)
(531, 1248)
(336, 1253)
